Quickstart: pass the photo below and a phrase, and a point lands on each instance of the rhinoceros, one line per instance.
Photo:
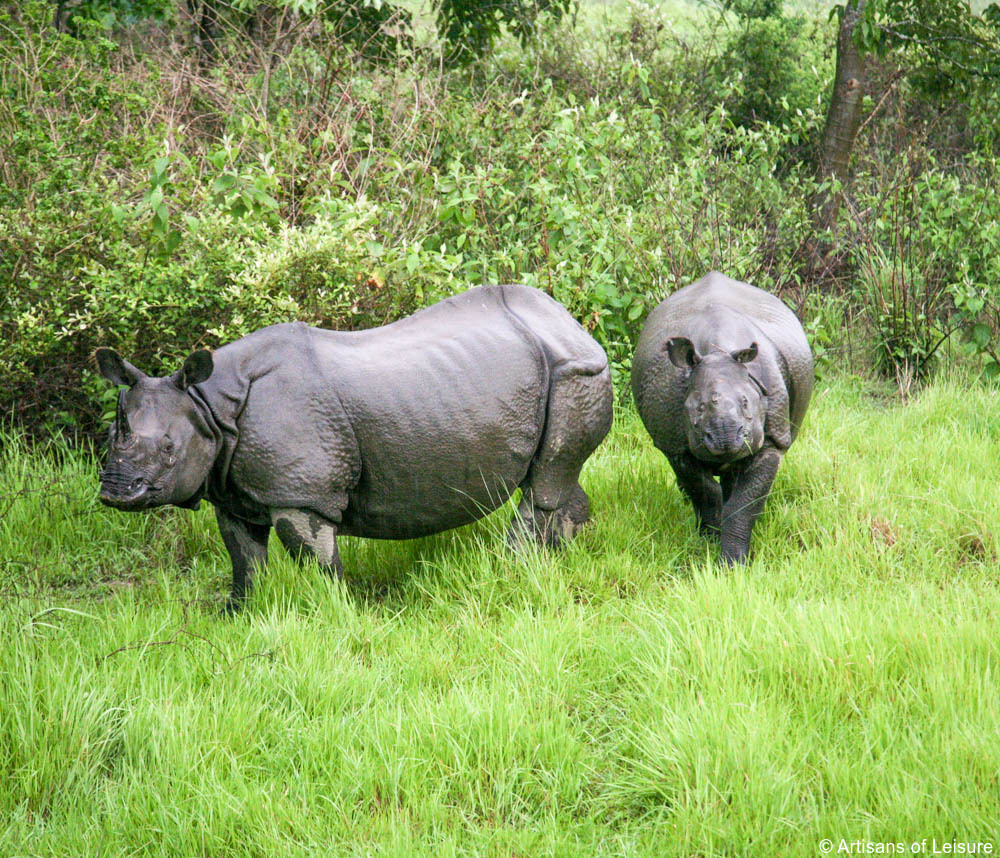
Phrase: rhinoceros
(722, 376)
(396, 432)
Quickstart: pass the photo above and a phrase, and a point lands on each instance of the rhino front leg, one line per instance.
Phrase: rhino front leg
(750, 488)
(246, 543)
(697, 482)
(306, 534)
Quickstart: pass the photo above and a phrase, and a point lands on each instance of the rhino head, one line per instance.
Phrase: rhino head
(161, 448)
(726, 401)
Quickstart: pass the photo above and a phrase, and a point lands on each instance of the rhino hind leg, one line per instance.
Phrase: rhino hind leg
(305, 534)
(549, 527)
(554, 505)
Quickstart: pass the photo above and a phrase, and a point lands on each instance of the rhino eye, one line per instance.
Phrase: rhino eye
(167, 446)
(745, 403)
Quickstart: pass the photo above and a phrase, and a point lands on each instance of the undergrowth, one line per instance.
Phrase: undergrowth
(154, 205)
(626, 696)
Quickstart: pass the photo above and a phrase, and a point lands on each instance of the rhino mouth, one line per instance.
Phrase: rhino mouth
(720, 458)
(722, 446)
(124, 491)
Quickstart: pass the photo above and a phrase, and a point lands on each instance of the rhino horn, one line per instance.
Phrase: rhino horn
(122, 428)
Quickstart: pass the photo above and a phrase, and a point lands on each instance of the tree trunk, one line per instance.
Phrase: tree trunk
(843, 119)
(57, 19)
(205, 17)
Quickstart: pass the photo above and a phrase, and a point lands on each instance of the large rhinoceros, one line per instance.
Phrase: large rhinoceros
(722, 376)
(396, 432)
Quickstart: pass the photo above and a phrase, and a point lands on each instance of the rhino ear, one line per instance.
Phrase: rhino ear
(682, 352)
(745, 355)
(115, 368)
(197, 368)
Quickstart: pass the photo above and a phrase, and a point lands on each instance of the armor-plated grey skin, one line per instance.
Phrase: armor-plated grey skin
(392, 433)
(722, 376)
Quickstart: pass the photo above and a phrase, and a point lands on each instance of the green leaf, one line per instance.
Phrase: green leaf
(266, 200)
(981, 335)
(172, 240)
(162, 215)
(159, 168)
(223, 183)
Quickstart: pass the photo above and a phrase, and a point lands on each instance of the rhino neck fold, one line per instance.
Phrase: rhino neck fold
(241, 367)
(225, 433)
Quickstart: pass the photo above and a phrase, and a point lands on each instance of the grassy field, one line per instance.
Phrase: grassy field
(627, 696)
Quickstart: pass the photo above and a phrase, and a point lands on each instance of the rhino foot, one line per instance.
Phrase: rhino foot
(231, 607)
(549, 527)
(247, 546)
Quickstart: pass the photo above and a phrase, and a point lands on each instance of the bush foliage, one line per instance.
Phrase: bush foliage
(154, 205)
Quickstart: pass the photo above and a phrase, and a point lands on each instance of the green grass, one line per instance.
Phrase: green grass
(627, 696)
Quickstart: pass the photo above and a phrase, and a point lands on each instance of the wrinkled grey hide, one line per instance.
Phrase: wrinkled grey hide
(722, 376)
(396, 432)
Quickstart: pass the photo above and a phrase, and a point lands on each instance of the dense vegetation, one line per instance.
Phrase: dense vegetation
(153, 203)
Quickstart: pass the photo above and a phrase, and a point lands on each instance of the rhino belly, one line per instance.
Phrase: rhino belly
(446, 436)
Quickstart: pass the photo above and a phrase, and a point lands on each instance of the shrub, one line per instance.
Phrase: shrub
(927, 248)
(147, 206)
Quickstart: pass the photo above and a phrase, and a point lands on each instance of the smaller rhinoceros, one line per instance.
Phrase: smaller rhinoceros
(722, 376)
(392, 433)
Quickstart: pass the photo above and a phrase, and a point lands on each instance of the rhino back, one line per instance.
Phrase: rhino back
(718, 312)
